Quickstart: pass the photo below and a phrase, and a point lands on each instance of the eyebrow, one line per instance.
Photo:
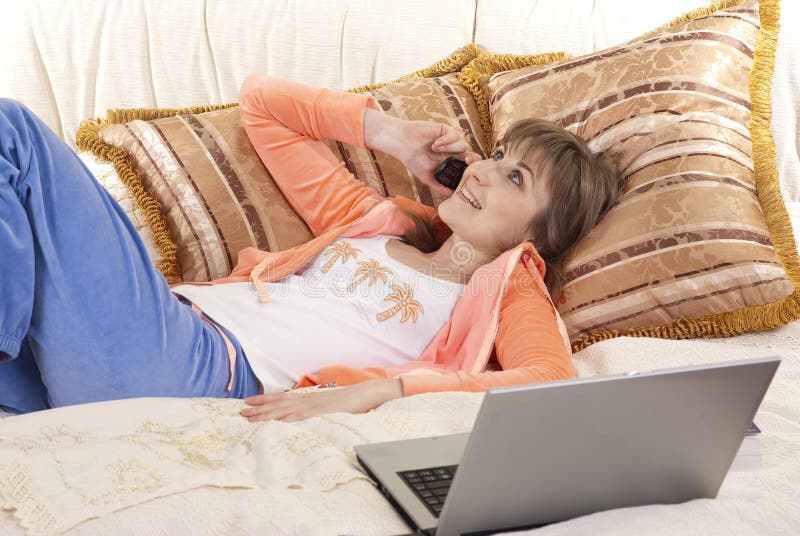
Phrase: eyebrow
(524, 165)
(520, 163)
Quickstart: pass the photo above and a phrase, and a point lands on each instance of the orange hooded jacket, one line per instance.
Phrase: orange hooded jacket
(505, 312)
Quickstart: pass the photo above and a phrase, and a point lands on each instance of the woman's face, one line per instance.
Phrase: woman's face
(509, 191)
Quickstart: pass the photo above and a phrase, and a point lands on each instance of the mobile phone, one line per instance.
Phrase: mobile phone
(450, 171)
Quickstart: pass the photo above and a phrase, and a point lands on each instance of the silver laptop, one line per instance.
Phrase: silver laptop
(543, 453)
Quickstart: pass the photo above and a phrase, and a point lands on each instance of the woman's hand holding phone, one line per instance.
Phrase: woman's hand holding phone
(420, 145)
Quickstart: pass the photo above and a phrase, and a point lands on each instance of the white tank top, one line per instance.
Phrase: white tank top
(353, 305)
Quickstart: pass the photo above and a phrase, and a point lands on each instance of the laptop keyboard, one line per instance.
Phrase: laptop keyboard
(430, 485)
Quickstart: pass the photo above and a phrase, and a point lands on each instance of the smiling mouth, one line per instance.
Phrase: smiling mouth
(469, 199)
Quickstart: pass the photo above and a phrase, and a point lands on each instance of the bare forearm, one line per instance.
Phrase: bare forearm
(381, 131)
(358, 398)
(387, 390)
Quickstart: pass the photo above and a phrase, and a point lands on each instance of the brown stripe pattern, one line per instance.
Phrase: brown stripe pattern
(688, 237)
(225, 169)
(216, 195)
(218, 198)
(163, 188)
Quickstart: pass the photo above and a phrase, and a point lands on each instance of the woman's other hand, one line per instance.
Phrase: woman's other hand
(290, 407)
(420, 145)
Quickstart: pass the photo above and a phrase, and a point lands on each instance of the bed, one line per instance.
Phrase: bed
(178, 466)
(173, 466)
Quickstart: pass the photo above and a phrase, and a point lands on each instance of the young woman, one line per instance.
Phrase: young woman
(389, 299)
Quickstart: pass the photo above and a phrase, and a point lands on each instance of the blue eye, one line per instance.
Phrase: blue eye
(515, 176)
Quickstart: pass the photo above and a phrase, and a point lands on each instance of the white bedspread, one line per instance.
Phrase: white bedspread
(193, 466)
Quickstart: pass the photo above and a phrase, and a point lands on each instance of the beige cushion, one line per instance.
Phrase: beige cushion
(214, 193)
(688, 238)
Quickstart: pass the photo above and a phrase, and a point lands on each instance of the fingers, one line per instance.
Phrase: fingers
(260, 400)
(256, 415)
(254, 400)
(450, 140)
(267, 406)
(470, 157)
(290, 407)
(437, 187)
(286, 407)
(276, 410)
(448, 145)
(271, 415)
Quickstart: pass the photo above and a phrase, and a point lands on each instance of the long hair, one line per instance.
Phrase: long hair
(583, 186)
(421, 236)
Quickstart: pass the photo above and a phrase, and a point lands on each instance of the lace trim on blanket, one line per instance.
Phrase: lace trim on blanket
(16, 496)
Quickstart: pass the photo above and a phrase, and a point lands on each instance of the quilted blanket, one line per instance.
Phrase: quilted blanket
(174, 466)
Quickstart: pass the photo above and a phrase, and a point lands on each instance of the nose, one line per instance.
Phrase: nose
(484, 175)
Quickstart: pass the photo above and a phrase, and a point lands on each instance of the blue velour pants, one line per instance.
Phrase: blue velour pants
(84, 316)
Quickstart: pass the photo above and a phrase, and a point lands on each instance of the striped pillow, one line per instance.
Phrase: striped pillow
(214, 197)
(687, 251)
(214, 193)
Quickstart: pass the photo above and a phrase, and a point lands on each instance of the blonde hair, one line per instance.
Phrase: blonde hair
(583, 186)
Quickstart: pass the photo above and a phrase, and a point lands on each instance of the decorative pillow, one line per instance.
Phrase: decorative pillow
(205, 193)
(108, 179)
(700, 243)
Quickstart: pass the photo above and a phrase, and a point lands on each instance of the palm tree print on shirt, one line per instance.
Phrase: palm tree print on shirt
(340, 250)
(371, 270)
(403, 296)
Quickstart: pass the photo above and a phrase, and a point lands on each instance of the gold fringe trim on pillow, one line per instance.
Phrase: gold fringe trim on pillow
(701, 12)
(759, 317)
(474, 75)
(746, 320)
(455, 61)
(88, 139)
